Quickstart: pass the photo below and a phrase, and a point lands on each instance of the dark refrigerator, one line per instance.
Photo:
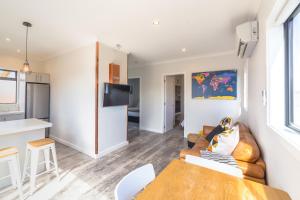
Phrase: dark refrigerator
(37, 103)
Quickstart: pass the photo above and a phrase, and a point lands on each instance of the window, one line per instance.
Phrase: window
(8, 86)
(292, 40)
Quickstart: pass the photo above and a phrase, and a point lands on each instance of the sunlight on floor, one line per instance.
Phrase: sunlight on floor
(85, 178)
(48, 186)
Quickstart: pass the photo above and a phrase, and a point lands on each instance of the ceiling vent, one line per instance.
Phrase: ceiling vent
(247, 38)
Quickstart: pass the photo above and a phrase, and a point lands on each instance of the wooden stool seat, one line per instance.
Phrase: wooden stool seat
(5, 152)
(41, 142)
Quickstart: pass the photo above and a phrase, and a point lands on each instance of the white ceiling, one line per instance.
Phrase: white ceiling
(200, 26)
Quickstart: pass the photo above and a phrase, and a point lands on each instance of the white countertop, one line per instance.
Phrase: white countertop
(11, 112)
(23, 125)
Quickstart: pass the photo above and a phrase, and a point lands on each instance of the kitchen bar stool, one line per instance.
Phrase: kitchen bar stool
(11, 156)
(33, 149)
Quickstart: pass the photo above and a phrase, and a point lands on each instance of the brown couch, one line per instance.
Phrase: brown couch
(246, 153)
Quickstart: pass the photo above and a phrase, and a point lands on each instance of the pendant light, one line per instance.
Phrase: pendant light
(26, 66)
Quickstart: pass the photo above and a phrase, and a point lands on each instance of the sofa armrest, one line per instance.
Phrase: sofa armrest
(185, 152)
(207, 130)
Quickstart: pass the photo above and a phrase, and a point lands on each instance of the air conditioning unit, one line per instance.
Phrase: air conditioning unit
(247, 38)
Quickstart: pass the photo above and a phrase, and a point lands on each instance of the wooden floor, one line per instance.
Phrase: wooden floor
(85, 178)
(133, 131)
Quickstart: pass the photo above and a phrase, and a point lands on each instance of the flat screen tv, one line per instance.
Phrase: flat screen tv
(116, 94)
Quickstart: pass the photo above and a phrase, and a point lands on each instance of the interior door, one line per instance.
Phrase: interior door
(169, 102)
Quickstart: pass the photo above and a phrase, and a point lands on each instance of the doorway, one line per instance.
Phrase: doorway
(133, 108)
(173, 102)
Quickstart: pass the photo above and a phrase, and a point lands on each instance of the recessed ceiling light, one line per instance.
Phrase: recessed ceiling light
(18, 50)
(155, 22)
(183, 50)
(7, 39)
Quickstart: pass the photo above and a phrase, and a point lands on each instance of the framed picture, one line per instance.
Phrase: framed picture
(221, 85)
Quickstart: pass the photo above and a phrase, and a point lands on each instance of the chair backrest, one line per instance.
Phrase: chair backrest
(220, 167)
(134, 182)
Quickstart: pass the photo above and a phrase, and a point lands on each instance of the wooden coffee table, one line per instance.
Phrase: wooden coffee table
(181, 180)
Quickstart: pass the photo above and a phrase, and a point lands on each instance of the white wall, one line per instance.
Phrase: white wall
(112, 120)
(282, 158)
(197, 112)
(72, 107)
(16, 63)
(72, 100)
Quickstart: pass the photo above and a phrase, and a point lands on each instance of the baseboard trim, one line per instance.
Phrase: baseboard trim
(151, 130)
(73, 146)
(111, 149)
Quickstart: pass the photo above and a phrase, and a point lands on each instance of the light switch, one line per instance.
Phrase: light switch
(264, 97)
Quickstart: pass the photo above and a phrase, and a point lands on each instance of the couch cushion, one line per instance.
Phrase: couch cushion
(193, 137)
(225, 159)
(225, 142)
(261, 163)
(202, 143)
(207, 130)
(250, 169)
(216, 131)
(224, 124)
(247, 149)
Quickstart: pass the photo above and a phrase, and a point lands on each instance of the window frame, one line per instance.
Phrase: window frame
(289, 76)
(11, 79)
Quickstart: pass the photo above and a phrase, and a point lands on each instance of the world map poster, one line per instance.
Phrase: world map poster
(220, 85)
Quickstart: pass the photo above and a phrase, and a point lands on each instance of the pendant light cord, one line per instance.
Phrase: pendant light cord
(26, 42)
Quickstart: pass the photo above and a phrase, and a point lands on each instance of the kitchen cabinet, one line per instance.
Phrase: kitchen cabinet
(36, 77)
(114, 73)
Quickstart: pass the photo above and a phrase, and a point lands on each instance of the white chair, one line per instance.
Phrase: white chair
(220, 167)
(134, 182)
(33, 149)
(11, 156)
